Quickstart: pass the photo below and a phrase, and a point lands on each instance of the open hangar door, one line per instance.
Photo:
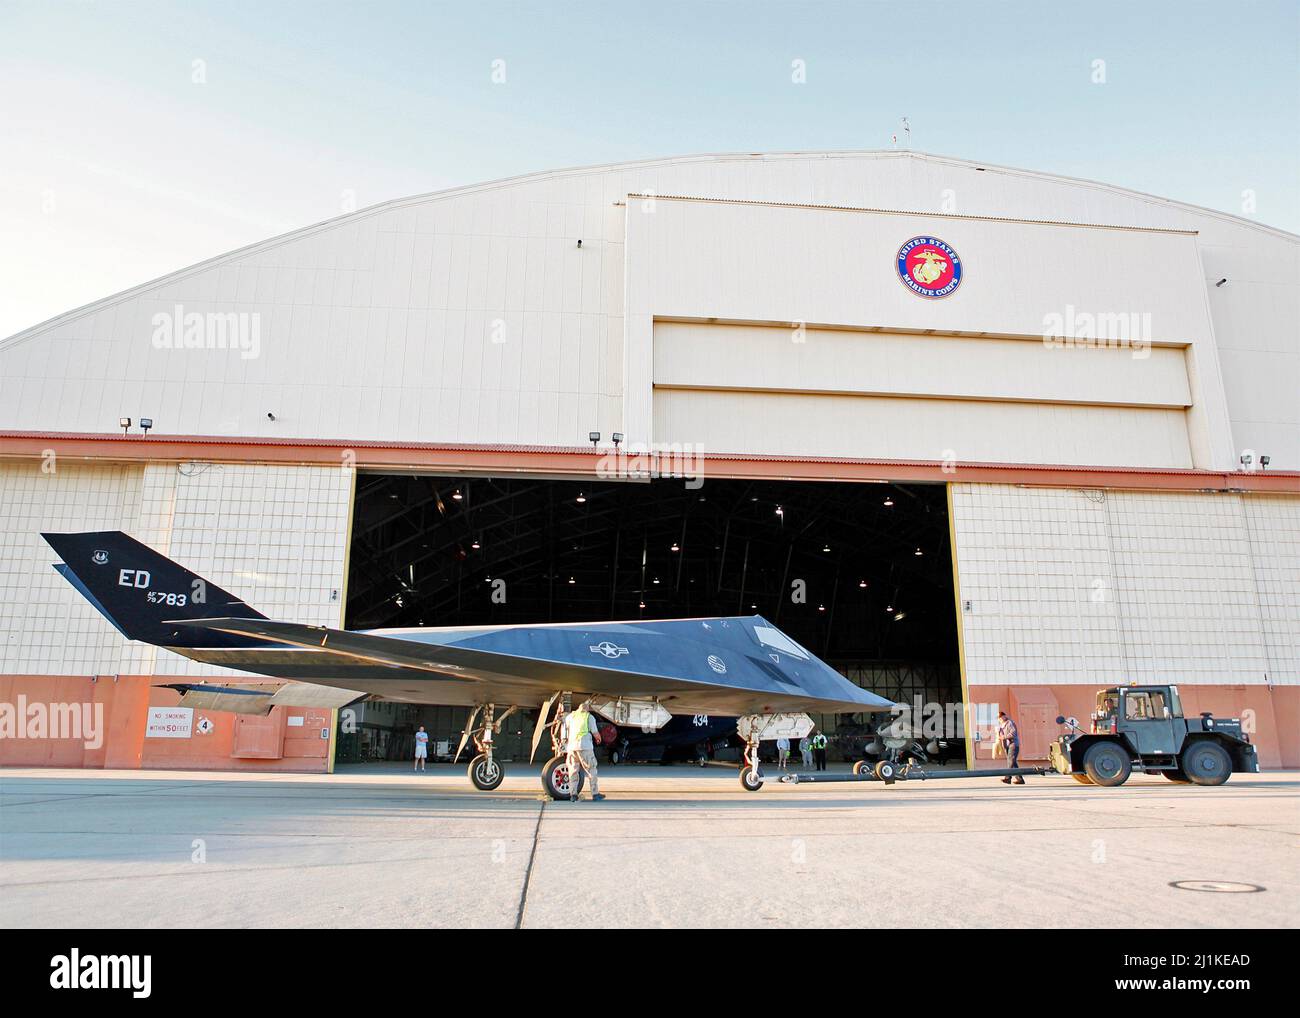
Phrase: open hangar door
(860, 573)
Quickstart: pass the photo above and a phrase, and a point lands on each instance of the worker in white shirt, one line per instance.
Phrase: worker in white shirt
(580, 741)
(421, 748)
(783, 752)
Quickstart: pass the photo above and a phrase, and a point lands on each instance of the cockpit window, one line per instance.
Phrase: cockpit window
(1145, 706)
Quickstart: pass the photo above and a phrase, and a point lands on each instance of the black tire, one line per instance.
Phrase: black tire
(555, 778)
(750, 780)
(486, 774)
(885, 771)
(860, 766)
(615, 756)
(1176, 776)
(1081, 778)
(1206, 763)
(1107, 764)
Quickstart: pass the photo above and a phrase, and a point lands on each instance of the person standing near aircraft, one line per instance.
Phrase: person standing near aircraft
(783, 752)
(1009, 739)
(421, 748)
(819, 750)
(580, 741)
(805, 751)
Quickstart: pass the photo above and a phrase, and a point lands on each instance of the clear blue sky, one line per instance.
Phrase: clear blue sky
(115, 166)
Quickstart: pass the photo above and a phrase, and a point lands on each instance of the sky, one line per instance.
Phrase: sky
(140, 137)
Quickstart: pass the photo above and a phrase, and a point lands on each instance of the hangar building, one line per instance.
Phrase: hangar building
(970, 433)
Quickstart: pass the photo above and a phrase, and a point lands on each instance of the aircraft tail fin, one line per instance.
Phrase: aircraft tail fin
(142, 593)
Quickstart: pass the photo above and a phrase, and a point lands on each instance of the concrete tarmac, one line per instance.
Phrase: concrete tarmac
(378, 846)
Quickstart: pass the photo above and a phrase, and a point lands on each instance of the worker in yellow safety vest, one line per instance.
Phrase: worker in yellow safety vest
(819, 750)
(580, 741)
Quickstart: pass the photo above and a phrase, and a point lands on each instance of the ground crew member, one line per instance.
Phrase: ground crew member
(783, 751)
(580, 741)
(805, 751)
(819, 750)
(1009, 739)
(421, 748)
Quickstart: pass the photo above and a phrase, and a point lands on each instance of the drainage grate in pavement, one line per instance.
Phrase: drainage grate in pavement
(1216, 886)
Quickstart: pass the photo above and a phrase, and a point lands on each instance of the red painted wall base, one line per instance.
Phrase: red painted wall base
(290, 739)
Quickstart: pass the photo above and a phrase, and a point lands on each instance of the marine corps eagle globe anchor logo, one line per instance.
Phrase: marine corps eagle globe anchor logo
(929, 267)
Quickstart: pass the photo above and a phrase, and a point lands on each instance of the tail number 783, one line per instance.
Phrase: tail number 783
(175, 600)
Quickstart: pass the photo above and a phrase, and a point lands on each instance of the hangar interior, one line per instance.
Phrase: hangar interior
(860, 573)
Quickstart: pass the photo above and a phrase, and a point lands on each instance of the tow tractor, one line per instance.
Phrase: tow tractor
(1142, 728)
(1134, 728)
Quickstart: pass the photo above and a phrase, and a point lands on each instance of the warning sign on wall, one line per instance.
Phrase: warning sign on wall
(169, 723)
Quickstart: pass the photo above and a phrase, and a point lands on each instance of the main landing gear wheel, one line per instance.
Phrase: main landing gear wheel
(1107, 764)
(885, 771)
(750, 780)
(1081, 778)
(555, 778)
(485, 773)
(860, 767)
(1206, 763)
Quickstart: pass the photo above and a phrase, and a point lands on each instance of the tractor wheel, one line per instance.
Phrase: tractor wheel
(555, 778)
(1107, 764)
(1176, 775)
(1081, 778)
(485, 774)
(1206, 763)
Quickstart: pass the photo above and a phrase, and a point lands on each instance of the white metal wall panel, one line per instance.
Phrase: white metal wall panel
(1093, 587)
(274, 534)
(379, 325)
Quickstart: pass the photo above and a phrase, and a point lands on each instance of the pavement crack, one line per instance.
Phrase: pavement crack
(528, 871)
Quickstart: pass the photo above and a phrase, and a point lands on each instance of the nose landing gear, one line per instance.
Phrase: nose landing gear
(485, 772)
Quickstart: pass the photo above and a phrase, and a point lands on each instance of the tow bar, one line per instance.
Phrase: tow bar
(888, 773)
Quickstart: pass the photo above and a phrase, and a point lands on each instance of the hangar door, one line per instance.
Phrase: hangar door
(770, 390)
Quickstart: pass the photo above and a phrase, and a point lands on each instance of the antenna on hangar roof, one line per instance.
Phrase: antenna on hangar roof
(907, 135)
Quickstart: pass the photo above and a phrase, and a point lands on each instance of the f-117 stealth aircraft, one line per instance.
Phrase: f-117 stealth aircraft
(636, 673)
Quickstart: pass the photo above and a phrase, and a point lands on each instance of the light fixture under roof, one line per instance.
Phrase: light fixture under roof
(581, 498)
(889, 502)
(457, 495)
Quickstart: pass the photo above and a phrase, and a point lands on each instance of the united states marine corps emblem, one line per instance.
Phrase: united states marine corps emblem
(929, 267)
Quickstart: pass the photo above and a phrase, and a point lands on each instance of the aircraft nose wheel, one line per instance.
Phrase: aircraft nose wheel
(750, 779)
(555, 778)
(485, 773)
